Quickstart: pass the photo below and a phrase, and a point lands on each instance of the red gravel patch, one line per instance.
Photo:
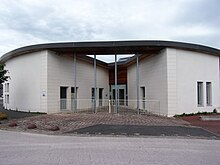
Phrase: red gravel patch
(213, 126)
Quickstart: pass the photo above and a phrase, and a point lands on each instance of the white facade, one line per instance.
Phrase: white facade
(24, 83)
(36, 78)
(152, 76)
(171, 77)
(191, 68)
(60, 72)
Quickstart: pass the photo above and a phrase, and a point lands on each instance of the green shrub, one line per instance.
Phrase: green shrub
(215, 111)
(3, 116)
(198, 113)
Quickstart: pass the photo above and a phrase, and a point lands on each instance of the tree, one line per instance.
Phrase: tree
(3, 72)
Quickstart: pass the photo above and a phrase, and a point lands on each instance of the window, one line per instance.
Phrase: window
(93, 93)
(74, 98)
(7, 99)
(63, 98)
(200, 94)
(63, 92)
(73, 93)
(100, 96)
(6, 87)
(208, 93)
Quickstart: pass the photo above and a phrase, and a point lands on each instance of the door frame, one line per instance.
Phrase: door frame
(120, 86)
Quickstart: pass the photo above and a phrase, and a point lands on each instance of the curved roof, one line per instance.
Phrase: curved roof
(110, 47)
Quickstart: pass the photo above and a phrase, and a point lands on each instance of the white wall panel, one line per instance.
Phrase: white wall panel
(193, 67)
(153, 76)
(24, 83)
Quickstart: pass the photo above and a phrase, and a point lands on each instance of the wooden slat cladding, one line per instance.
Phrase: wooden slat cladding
(122, 75)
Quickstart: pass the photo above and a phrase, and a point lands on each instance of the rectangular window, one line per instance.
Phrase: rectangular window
(6, 87)
(200, 94)
(208, 93)
(7, 99)
(93, 93)
(74, 98)
(63, 92)
(100, 96)
(73, 93)
(63, 98)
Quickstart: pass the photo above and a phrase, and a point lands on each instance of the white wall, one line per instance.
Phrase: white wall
(61, 73)
(172, 76)
(171, 81)
(36, 79)
(193, 67)
(24, 82)
(153, 76)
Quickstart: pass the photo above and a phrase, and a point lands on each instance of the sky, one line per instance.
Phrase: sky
(28, 22)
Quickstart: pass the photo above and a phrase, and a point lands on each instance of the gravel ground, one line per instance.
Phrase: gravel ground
(70, 122)
(213, 126)
(74, 121)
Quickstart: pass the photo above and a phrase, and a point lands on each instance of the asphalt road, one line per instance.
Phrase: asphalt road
(145, 130)
(25, 149)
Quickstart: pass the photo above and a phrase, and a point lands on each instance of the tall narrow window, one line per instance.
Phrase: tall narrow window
(7, 99)
(208, 93)
(100, 96)
(7, 87)
(74, 98)
(63, 98)
(93, 93)
(200, 94)
(73, 93)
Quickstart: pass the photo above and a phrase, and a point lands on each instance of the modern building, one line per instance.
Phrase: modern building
(162, 77)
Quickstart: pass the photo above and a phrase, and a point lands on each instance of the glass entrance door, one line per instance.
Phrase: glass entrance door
(121, 94)
(73, 98)
(100, 96)
(63, 97)
(121, 97)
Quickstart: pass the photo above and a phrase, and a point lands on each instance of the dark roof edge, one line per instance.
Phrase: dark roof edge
(110, 47)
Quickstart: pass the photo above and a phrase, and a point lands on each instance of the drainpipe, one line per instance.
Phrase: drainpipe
(137, 83)
(75, 99)
(116, 86)
(94, 103)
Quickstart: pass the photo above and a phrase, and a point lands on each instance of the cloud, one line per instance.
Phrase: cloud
(201, 12)
(25, 22)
